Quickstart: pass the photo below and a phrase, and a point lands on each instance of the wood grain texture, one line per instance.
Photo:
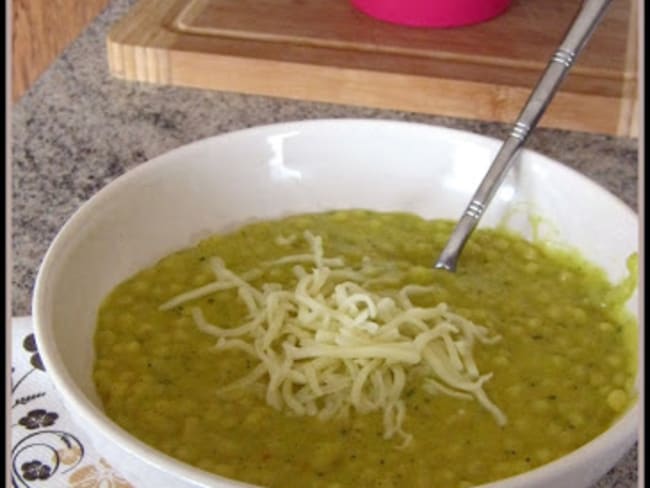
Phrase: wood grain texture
(41, 29)
(328, 51)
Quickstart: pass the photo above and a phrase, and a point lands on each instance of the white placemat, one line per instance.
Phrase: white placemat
(47, 449)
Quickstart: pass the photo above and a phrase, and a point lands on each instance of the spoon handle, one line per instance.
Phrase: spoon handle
(582, 27)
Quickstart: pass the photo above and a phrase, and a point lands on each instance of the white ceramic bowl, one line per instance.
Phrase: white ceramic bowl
(214, 184)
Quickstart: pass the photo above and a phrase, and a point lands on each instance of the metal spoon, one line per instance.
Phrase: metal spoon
(585, 22)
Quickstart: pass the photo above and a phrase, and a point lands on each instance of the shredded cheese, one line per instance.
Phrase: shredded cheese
(329, 345)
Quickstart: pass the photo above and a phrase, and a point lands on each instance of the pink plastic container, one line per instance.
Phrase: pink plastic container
(432, 13)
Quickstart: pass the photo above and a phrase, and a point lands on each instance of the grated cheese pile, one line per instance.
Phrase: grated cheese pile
(329, 345)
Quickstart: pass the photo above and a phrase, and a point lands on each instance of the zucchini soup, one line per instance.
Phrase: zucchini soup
(323, 350)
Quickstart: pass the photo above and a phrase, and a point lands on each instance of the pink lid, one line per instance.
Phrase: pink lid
(432, 13)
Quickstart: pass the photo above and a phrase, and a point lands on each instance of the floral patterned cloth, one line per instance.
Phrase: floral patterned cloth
(47, 450)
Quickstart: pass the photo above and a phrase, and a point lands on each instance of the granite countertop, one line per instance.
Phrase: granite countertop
(77, 129)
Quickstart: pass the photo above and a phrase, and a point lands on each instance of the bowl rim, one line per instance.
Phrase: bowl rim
(620, 431)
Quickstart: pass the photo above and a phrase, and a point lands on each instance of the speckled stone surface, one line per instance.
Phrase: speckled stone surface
(77, 129)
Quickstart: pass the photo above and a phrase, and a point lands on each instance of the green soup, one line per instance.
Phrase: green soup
(562, 371)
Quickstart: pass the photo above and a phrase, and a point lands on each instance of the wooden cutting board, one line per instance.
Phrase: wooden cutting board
(325, 50)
